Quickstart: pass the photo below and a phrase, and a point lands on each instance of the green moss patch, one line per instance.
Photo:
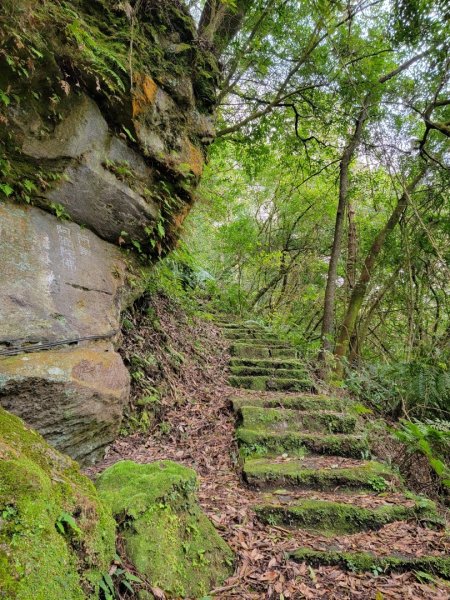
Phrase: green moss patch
(167, 537)
(266, 372)
(261, 383)
(263, 443)
(263, 340)
(312, 402)
(283, 353)
(264, 472)
(286, 420)
(365, 561)
(255, 350)
(57, 539)
(339, 517)
(272, 363)
(249, 351)
(233, 334)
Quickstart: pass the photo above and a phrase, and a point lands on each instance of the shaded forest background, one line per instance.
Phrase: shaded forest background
(324, 210)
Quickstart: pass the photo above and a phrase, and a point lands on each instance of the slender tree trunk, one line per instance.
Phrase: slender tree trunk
(360, 289)
(352, 248)
(355, 350)
(330, 291)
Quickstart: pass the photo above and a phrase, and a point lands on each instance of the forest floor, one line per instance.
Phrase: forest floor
(199, 431)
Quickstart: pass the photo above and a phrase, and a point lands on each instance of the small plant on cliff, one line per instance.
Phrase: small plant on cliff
(66, 523)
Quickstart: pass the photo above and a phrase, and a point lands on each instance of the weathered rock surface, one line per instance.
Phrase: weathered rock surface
(167, 537)
(72, 396)
(114, 137)
(59, 281)
(57, 539)
(61, 284)
(92, 190)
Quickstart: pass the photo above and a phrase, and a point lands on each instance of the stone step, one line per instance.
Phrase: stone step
(246, 350)
(253, 442)
(268, 363)
(304, 402)
(367, 561)
(282, 420)
(263, 371)
(321, 473)
(250, 334)
(261, 340)
(224, 325)
(330, 516)
(261, 383)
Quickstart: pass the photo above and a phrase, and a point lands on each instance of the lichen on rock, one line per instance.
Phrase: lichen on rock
(57, 539)
(89, 82)
(105, 114)
(167, 537)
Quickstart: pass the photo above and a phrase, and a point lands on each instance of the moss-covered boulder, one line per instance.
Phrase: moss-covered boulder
(57, 539)
(167, 537)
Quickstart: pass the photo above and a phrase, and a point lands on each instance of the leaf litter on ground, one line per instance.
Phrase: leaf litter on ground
(196, 404)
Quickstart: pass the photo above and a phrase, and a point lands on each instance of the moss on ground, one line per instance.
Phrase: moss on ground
(271, 363)
(313, 402)
(261, 383)
(370, 475)
(249, 351)
(338, 517)
(285, 420)
(263, 442)
(57, 539)
(270, 342)
(266, 372)
(249, 334)
(167, 537)
(256, 350)
(365, 561)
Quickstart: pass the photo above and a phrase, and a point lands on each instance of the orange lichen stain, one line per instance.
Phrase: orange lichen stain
(96, 368)
(178, 219)
(144, 93)
(195, 159)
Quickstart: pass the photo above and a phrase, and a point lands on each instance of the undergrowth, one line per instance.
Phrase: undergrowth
(166, 346)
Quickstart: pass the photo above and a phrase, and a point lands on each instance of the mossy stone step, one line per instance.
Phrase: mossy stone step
(310, 474)
(339, 517)
(287, 352)
(247, 350)
(304, 402)
(244, 325)
(264, 371)
(268, 363)
(261, 340)
(366, 561)
(254, 442)
(261, 383)
(250, 334)
(282, 420)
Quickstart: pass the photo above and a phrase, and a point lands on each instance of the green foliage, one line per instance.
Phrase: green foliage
(417, 388)
(65, 522)
(432, 439)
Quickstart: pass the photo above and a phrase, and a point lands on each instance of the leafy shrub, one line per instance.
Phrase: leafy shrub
(432, 439)
(416, 389)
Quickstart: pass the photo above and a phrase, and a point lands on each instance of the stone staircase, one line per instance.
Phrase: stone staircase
(308, 456)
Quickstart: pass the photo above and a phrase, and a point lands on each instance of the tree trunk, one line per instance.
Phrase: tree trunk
(352, 248)
(360, 289)
(220, 22)
(330, 291)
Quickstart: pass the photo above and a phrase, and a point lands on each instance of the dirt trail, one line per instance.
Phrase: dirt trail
(270, 470)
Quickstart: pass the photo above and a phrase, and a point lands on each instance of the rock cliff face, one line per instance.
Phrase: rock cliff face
(106, 114)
